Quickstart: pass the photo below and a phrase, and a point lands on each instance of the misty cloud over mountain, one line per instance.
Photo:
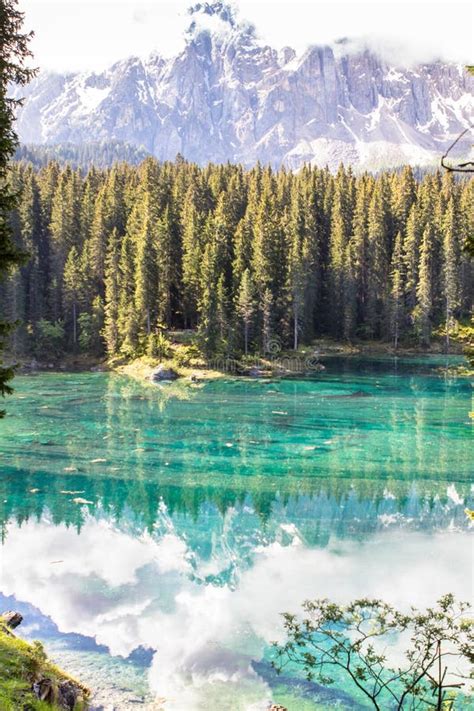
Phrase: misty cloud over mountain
(227, 96)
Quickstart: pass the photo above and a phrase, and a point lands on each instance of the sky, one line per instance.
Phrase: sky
(81, 35)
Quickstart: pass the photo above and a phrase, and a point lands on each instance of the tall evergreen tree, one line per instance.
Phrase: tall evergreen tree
(423, 310)
(396, 290)
(111, 332)
(298, 262)
(14, 55)
(72, 290)
(146, 268)
(450, 272)
(340, 226)
(378, 267)
(246, 306)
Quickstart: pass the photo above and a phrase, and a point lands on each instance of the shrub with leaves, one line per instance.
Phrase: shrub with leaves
(49, 339)
(415, 660)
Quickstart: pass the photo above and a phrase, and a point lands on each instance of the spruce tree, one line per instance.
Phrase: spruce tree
(396, 291)
(350, 290)
(166, 266)
(357, 261)
(298, 262)
(146, 269)
(411, 246)
(268, 344)
(127, 319)
(207, 303)
(14, 55)
(193, 224)
(340, 226)
(112, 295)
(423, 310)
(450, 271)
(377, 237)
(72, 290)
(246, 306)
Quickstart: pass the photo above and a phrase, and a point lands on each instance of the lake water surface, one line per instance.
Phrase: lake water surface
(153, 535)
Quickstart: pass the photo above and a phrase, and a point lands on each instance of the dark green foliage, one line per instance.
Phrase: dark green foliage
(14, 54)
(101, 154)
(49, 342)
(253, 260)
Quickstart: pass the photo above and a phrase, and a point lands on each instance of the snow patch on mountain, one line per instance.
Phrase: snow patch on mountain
(229, 96)
(90, 98)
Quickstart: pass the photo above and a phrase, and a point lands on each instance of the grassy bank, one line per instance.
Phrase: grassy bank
(21, 665)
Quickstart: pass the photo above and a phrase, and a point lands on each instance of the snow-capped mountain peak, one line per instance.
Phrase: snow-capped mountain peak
(228, 96)
(219, 22)
(220, 11)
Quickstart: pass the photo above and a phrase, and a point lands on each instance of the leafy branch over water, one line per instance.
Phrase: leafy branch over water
(397, 661)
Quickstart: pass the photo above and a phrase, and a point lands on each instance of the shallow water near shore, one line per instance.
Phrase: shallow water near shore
(153, 535)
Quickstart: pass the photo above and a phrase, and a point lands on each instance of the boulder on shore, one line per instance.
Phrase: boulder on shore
(162, 373)
(12, 619)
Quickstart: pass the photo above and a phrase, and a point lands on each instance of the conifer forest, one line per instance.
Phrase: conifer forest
(119, 256)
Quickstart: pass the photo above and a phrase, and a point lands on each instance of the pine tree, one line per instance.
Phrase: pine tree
(341, 217)
(269, 346)
(298, 262)
(423, 310)
(403, 197)
(146, 269)
(72, 289)
(350, 290)
(357, 262)
(246, 306)
(378, 266)
(268, 255)
(112, 295)
(127, 319)
(31, 241)
(396, 290)
(193, 223)
(14, 52)
(166, 269)
(411, 246)
(243, 241)
(207, 305)
(450, 272)
(65, 234)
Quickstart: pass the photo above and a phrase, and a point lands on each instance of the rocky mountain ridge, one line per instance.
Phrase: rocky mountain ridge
(227, 96)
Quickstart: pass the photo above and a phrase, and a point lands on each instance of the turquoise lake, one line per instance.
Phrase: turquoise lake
(152, 535)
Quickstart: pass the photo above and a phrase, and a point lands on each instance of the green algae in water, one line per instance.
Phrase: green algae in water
(212, 509)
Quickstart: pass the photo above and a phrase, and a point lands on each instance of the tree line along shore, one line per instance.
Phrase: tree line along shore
(252, 261)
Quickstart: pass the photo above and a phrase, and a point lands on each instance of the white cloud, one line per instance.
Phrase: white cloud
(129, 591)
(91, 34)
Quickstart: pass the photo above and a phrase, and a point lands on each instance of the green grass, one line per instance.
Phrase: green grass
(21, 664)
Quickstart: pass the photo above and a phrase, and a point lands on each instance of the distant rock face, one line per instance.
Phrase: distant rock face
(228, 96)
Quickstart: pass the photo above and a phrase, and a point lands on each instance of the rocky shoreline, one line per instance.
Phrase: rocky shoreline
(197, 368)
(36, 678)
